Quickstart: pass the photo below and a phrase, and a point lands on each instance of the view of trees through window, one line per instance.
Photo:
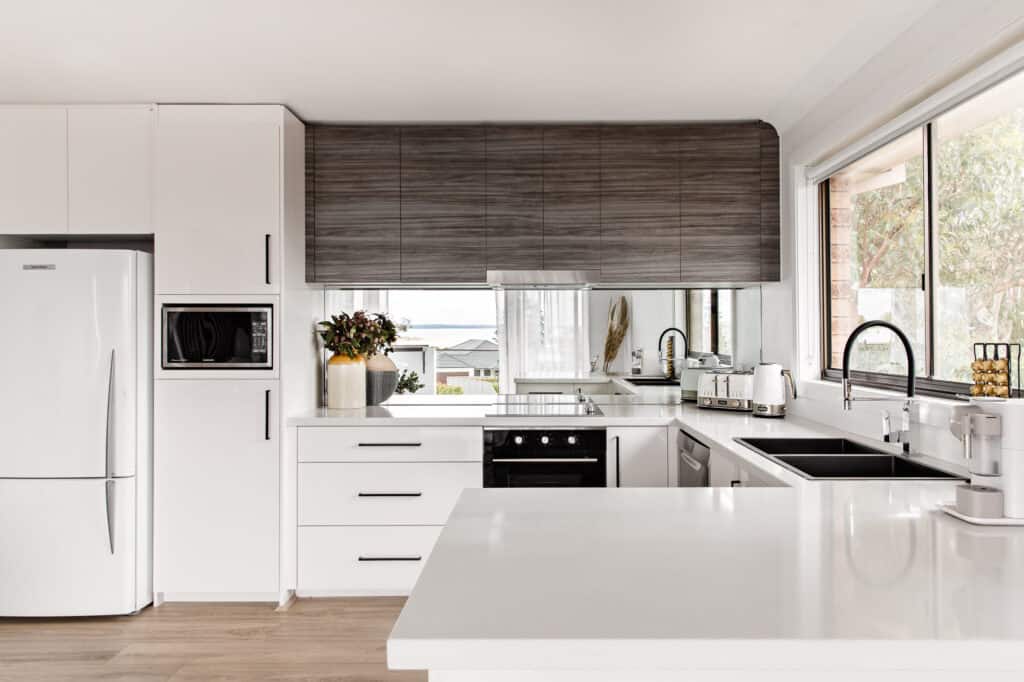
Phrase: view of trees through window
(879, 235)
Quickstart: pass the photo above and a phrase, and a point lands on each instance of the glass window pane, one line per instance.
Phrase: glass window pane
(979, 185)
(877, 249)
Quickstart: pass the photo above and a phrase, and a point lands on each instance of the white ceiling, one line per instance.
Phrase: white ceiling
(451, 60)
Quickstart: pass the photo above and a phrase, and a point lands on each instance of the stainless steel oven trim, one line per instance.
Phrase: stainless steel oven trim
(217, 308)
(545, 428)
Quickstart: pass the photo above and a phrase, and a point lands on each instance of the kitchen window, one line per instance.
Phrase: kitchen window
(927, 232)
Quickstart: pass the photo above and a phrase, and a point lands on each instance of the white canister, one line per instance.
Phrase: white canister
(346, 382)
(1013, 483)
(1012, 479)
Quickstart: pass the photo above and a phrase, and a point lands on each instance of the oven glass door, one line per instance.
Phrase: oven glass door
(547, 473)
(217, 337)
(541, 458)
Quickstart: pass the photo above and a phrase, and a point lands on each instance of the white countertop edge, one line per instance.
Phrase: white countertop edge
(861, 655)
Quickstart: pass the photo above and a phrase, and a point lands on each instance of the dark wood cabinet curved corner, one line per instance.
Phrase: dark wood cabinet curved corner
(641, 203)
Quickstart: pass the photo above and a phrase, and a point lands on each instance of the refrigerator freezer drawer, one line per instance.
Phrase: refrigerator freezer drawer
(67, 547)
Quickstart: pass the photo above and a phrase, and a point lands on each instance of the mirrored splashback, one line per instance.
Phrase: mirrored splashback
(477, 340)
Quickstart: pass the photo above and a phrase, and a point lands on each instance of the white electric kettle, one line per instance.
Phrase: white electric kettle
(770, 390)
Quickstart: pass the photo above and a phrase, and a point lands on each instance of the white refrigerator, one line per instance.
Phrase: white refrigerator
(76, 337)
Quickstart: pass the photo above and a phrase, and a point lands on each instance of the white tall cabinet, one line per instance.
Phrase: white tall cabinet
(217, 487)
(229, 228)
(219, 199)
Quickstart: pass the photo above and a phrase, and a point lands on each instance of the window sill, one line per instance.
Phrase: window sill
(932, 410)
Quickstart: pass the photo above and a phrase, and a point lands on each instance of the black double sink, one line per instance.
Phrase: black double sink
(842, 459)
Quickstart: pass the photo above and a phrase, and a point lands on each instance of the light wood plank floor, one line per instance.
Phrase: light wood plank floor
(316, 639)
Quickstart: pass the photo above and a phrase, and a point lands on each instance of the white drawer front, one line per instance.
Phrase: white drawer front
(391, 444)
(385, 493)
(382, 560)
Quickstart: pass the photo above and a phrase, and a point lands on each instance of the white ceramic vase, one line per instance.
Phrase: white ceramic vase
(346, 382)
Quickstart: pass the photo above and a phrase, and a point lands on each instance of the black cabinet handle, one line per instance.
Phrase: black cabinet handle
(417, 494)
(389, 445)
(266, 415)
(266, 258)
(618, 467)
(735, 484)
(390, 558)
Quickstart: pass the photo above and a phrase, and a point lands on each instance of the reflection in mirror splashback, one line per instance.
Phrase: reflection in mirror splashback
(479, 341)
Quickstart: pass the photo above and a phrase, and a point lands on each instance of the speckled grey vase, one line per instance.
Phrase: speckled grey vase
(381, 379)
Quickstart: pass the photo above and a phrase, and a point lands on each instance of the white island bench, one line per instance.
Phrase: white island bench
(823, 582)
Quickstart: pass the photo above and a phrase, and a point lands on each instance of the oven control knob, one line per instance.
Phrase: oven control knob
(518, 440)
(544, 440)
(571, 440)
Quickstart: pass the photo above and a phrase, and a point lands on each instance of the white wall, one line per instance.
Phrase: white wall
(949, 41)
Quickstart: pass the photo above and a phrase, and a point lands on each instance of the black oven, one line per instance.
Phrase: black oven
(545, 458)
(218, 336)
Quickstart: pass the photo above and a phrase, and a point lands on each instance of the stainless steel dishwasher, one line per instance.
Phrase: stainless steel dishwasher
(693, 461)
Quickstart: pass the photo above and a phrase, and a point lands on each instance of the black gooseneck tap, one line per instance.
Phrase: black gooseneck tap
(903, 435)
(686, 345)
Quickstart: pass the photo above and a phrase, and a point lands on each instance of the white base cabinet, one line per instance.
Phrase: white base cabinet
(216, 459)
(638, 457)
(727, 471)
(372, 502)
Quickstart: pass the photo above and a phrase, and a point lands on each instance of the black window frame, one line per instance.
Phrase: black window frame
(928, 384)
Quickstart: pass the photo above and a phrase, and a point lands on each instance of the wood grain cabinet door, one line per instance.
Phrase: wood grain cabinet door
(640, 203)
(515, 197)
(721, 202)
(443, 204)
(353, 176)
(770, 225)
(572, 197)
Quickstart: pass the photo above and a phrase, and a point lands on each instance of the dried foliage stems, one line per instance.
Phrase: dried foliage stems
(618, 325)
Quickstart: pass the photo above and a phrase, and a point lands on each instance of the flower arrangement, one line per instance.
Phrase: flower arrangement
(359, 335)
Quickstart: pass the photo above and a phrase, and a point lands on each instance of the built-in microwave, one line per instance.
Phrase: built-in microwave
(218, 336)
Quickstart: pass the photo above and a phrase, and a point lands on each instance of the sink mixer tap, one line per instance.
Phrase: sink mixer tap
(888, 435)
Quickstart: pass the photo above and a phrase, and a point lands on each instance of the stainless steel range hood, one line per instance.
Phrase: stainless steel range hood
(542, 279)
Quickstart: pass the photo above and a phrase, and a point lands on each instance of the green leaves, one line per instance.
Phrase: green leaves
(359, 334)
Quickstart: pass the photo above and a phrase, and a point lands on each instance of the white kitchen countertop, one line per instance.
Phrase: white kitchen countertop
(820, 578)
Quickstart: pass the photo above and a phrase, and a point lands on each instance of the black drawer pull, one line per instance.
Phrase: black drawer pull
(390, 445)
(390, 558)
(390, 494)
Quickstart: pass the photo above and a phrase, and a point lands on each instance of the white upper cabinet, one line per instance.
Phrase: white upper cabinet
(110, 169)
(33, 170)
(218, 199)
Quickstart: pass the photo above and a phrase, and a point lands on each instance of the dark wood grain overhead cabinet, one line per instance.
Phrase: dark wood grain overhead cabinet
(443, 181)
(572, 197)
(638, 203)
(353, 204)
(640, 235)
(514, 192)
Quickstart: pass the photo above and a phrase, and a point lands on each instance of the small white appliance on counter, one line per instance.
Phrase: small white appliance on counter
(770, 388)
(992, 434)
(75, 449)
(725, 389)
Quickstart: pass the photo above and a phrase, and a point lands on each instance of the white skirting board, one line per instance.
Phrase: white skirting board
(271, 598)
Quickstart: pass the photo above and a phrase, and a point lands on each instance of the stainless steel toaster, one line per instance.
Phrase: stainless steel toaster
(726, 390)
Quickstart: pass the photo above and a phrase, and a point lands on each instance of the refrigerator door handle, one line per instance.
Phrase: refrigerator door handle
(109, 452)
(110, 512)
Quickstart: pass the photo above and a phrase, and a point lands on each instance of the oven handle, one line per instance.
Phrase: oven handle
(553, 460)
